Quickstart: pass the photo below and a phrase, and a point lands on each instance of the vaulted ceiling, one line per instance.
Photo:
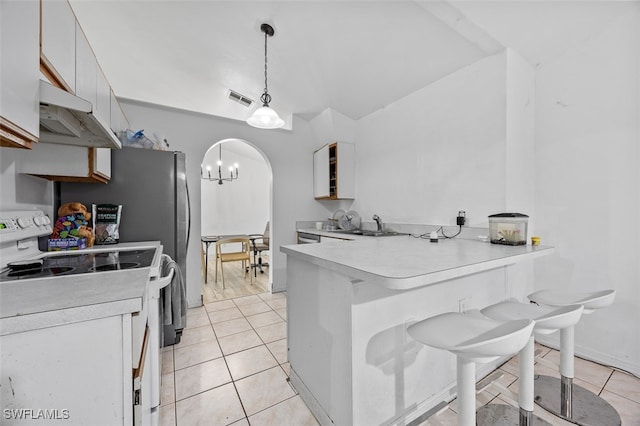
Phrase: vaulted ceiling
(352, 56)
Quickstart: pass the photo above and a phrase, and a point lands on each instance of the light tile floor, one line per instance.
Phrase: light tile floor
(231, 368)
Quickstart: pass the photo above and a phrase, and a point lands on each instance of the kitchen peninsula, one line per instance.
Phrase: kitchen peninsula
(349, 304)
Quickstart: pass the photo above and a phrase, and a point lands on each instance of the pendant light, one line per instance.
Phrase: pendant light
(265, 117)
(219, 178)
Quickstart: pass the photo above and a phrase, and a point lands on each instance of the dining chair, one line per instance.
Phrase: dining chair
(260, 244)
(244, 255)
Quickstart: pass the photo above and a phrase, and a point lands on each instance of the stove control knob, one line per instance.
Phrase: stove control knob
(46, 220)
(24, 222)
(38, 220)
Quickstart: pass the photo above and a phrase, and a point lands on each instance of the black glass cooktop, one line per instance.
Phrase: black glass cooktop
(79, 262)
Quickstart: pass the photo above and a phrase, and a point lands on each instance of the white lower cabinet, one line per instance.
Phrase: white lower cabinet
(77, 374)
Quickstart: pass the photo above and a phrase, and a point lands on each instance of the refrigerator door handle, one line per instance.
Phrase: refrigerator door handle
(186, 186)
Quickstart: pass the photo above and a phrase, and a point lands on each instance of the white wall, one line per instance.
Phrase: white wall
(465, 142)
(437, 151)
(290, 154)
(519, 164)
(563, 148)
(588, 184)
(241, 206)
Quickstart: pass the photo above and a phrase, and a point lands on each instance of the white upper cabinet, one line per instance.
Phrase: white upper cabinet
(59, 43)
(119, 122)
(68, 62)
(19, 73)
(321, 173)
(102, 107)
(334, 171)
(67, 163)
(86, 69)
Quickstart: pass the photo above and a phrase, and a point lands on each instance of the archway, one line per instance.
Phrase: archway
(238, 206)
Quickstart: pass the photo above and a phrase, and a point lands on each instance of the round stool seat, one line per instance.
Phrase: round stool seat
(561, 396)
(590, 300)
(548, 319)
(473, 337)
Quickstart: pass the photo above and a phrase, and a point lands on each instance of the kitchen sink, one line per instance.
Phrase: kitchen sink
(370, 233)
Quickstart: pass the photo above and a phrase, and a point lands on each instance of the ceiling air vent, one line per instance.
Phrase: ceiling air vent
(241, 99)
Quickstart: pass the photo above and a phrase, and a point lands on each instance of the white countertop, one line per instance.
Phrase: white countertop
(37, 303)
(404, 262)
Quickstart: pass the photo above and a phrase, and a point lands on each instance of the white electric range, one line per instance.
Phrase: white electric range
(43, 294)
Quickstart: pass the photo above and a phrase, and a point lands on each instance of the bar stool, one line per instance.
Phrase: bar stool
(472, 338)
(547, 320)
(561, 396)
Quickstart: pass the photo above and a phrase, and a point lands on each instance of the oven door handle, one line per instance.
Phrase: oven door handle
(158, 284)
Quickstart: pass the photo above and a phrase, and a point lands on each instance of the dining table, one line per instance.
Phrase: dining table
(208, 239)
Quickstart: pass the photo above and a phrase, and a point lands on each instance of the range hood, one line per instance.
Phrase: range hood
(68, 119)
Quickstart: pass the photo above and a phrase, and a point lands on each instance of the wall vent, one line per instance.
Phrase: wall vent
(241, 99)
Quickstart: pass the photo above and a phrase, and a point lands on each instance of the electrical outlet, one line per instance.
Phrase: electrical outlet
(461, 219)
(462, 305)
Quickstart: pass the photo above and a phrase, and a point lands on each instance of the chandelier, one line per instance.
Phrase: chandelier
(265, 117)
(219, 178)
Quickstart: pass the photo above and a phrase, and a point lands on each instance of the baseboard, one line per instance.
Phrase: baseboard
(314, 406)
(446, 395)
(278, 288)
(592, 355)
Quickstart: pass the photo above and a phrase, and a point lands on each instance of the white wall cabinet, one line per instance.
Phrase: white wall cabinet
(119, 122)
(19, 73)
(102, 107)
(334, 171)
(67, 163)
(58, 43)
(68, 62)
(321, 173)
(86, 69)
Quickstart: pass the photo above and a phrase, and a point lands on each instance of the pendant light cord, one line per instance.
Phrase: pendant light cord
(265, 98)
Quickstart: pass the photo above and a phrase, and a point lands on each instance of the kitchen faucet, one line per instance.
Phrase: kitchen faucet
(378, 221)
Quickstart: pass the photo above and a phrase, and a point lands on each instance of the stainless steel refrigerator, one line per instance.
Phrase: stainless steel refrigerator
(152, 188)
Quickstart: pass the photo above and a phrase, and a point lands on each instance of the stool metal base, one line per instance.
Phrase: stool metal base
(586, 408)
(503, 415)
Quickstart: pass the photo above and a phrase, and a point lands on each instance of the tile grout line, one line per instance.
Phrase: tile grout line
(175, 403)
(605, 383)
(264, 343)
(235, 388)
(224, 357)
(616, 393)
(271, 309)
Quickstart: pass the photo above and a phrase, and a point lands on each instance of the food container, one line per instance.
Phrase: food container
(62, 244)
(508, 228)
